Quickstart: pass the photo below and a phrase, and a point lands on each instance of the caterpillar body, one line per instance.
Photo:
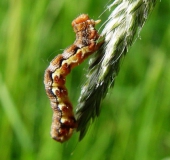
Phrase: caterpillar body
(63, 121)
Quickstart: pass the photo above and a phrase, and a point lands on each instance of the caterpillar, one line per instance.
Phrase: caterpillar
(63, 121)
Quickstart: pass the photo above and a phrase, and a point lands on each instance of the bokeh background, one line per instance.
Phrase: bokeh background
(134, 123)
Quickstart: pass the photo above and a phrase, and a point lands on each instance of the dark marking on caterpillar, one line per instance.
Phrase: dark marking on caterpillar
(63, 121)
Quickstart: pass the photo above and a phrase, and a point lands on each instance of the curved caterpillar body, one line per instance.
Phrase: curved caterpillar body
(63, 121)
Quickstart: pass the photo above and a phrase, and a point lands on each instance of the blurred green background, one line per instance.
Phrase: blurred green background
(134, 123)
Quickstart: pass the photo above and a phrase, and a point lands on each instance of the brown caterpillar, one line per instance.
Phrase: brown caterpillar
(64, 122)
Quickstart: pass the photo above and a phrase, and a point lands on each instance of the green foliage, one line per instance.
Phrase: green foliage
(134, 120)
